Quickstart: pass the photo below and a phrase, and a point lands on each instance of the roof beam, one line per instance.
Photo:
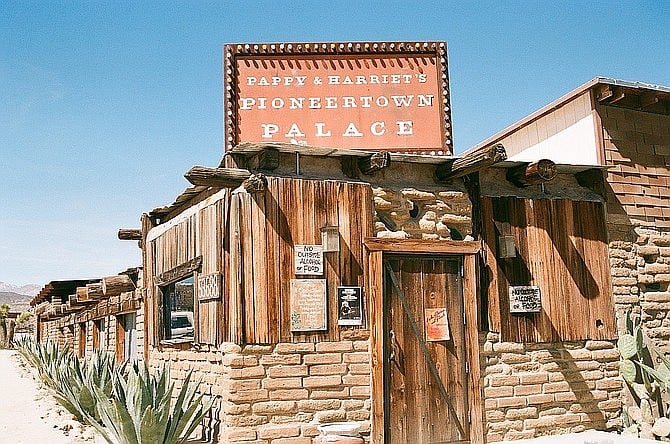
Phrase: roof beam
(472, 162)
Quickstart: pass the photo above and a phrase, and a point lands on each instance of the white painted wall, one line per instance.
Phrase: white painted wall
(574, 145)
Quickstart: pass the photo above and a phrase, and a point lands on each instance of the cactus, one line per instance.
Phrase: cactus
(647, 381)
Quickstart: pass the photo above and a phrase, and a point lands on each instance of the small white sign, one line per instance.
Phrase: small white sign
(525, 299)
(309, 260)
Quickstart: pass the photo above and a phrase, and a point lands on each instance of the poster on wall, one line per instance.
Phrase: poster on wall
(525, 299)
(437, 324)
(308, 305)
(352, 95)
(350, 306)
(308, 260)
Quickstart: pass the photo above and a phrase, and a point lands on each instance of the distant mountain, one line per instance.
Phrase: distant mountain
(29, 290)
(17, 302)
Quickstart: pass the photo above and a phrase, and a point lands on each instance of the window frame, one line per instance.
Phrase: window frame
(166, 311)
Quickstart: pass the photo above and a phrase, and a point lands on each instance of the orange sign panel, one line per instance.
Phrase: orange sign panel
(332, 95)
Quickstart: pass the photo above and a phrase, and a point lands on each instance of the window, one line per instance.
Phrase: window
(178, 299)
(82, 340)
(99, 334)
(126, 346)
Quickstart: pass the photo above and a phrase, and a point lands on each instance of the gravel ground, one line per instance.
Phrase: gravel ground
(29, 414)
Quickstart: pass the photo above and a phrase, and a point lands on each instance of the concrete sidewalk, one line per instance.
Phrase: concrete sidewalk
(28, 413)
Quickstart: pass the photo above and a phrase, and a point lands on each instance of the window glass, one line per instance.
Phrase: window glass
(178, 305)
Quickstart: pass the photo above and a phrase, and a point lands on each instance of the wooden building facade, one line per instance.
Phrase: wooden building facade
(93, 314)
(596, 238)
(426, 298)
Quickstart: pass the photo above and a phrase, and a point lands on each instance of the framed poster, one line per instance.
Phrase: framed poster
(308, 305)
(350, 306)
(525, 299)
(437, 324)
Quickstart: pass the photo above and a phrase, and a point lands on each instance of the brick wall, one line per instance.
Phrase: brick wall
(544, 389)
(279, 393)
(637, 152)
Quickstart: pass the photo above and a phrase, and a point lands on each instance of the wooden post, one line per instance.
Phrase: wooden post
(533, 173)
(470, 163)
(129, 234)
(115, 285)
(217, 177)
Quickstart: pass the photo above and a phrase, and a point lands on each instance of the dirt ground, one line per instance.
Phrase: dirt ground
(28, 413)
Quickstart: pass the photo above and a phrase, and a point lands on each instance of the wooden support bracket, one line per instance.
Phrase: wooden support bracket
(217, 177)
(115, 285)
(374, 162)
(471, 162)
(256, 183)
(533, 173)
(130, 234)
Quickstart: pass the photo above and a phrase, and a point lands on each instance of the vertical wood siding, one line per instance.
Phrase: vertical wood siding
(250, 240)
(290, 212)
(562, 248)
(198, 235)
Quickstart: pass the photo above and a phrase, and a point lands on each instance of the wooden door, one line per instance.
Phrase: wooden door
(425, 381)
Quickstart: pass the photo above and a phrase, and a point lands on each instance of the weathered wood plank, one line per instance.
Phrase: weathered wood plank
(115, 285)
(422, 246)
(475, 407)
(285, 198)
(129, 234)
(474, 161)
(247, 264)
(179, 272)
(217, 177)
(260, 266)
(274, 275)
(541, 171)
(375, 288)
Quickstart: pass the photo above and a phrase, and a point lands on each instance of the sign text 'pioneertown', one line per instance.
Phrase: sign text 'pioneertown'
(366, 99)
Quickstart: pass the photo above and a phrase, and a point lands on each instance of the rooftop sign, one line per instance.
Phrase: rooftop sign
(377, 96)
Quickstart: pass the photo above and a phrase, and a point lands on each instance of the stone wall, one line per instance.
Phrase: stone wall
(533, 390)
(279, 393)
(437, 213)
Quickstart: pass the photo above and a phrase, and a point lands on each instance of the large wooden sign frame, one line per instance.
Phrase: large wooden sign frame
(367, 95)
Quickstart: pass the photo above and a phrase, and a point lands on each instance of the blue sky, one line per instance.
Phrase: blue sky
(104, 105)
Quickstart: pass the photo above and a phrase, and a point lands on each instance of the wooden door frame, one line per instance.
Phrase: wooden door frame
(468, 250)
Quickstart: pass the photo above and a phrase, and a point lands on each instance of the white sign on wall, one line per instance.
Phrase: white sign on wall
(309, 259)
(525, 299)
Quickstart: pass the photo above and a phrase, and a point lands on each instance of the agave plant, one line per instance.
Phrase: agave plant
(70, 379)
(140, 409)
(127, 404)
(77, 380)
